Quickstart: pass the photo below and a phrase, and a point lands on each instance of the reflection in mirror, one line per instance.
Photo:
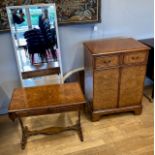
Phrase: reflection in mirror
(35, 37)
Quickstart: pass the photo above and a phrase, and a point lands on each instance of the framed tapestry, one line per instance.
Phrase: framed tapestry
(78, 11)
(68, 11)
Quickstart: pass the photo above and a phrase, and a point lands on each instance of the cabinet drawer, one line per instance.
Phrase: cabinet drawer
(138, 57)
(106, 61)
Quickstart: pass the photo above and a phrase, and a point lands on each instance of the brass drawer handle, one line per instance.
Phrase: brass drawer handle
(135, 58)
(107, 62)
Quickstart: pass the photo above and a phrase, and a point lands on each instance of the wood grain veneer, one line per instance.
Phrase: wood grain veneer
(131, 86)
(137, 57)
(106, 61)
(46, 99)
(104, 88)
(114, 75)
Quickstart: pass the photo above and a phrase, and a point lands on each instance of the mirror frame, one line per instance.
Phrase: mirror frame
(57, 35)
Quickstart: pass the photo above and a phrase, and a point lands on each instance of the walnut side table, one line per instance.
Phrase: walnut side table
(44, 100)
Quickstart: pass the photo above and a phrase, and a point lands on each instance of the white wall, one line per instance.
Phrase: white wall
(119, 18)
(9, 78)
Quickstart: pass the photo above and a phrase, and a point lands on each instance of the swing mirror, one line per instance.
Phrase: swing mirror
(36, 42)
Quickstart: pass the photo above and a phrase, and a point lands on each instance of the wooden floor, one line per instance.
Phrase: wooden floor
(121, 134)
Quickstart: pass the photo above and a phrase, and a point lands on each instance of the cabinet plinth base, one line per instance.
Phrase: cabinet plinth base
(138, 111)
(96, 114)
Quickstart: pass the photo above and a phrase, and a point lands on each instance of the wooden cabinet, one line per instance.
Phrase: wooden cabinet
(114, 75)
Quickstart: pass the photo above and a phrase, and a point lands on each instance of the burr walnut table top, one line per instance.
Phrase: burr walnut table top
(49, 98)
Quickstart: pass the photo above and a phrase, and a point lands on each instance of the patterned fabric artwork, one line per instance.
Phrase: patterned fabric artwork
(78, 11)
(68, 11)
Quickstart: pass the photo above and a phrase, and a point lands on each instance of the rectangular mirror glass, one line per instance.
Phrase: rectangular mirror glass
(36, 42)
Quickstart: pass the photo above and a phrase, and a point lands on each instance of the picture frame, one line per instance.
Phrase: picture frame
(68, 11)
(78, 12)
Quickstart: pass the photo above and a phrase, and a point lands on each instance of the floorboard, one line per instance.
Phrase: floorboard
(121, 134)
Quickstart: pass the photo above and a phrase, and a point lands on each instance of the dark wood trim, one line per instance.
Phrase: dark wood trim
(26, 133)
(119, 85)
(97, 114)
(43, 72)
(43, 111)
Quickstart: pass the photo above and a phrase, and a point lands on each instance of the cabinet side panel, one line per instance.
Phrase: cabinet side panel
(105, 89)
(88, 80)
(132, 83)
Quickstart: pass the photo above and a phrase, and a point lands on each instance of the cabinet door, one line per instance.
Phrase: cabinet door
(131, 87)
(105, 89)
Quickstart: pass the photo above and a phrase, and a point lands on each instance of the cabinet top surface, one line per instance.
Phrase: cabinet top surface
(114, 45)
(46, 97)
